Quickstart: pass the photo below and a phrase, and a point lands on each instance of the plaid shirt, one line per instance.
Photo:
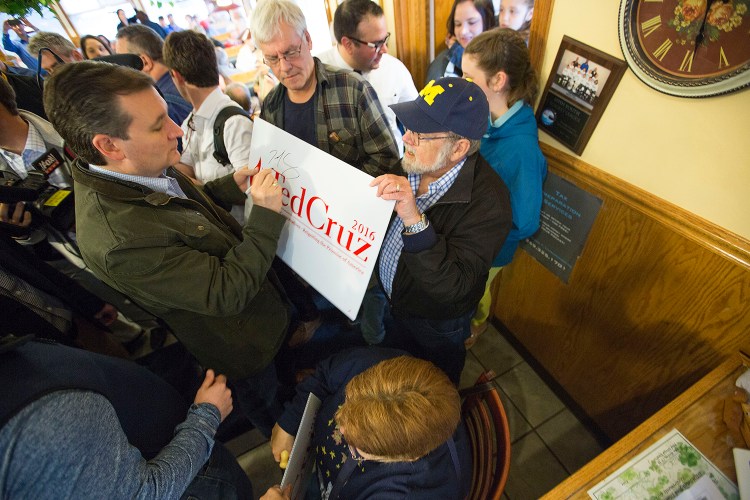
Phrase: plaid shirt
(349, 121)
(393, 243)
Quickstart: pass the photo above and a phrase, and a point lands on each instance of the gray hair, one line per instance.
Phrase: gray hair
(473, 146)
(269, 14)
(53, 41)
(473, 143)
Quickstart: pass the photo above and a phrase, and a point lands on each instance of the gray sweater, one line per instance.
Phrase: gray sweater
(69, 444)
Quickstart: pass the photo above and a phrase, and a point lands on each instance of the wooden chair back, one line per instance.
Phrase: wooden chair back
(489, 436)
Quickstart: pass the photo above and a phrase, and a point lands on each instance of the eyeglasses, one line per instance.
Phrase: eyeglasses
(372, 45)
(189, 132)
(288, 56)
(417, 137)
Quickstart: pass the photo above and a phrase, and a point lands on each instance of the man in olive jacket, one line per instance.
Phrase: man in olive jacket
(147, 231)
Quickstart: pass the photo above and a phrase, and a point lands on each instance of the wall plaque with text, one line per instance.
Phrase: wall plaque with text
(568, 213)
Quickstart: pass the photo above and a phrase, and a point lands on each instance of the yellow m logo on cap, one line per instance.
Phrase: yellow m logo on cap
(430, 92)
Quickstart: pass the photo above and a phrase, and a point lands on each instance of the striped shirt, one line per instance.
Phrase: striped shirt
(33, 149)
(161, 184)
(393, 243)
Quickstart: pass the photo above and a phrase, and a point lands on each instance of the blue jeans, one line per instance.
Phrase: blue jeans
(374, 307)
(440, 341)
(256, 397)
(220, 478)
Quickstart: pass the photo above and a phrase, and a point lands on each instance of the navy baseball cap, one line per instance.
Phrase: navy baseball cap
(447, 105)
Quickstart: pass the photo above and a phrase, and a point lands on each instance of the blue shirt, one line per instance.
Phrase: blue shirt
(393, 243)
(299, 120)
(177, 107)
(20, 49)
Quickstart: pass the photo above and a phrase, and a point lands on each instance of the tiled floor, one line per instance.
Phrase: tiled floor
(548, 442)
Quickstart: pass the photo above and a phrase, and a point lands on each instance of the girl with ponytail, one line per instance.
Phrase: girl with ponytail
(498, 61)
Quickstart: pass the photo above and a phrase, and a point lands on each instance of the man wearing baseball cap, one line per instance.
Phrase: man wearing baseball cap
(452, 217)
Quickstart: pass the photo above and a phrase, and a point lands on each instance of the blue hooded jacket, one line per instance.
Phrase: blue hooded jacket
(512, 149)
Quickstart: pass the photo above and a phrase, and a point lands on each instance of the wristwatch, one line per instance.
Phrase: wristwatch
(418, 227)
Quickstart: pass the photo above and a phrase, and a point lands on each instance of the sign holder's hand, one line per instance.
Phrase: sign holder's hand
(281, 440)
(276, 493)
(396, 187)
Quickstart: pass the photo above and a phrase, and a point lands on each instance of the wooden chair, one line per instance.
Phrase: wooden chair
(489, 436)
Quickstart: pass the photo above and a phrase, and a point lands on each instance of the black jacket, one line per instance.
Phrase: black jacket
(19, 319)
(445, 278)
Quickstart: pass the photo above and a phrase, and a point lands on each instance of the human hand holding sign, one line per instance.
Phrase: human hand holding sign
(265, 190)
(396, 187)
(281, 441)
(276, 493)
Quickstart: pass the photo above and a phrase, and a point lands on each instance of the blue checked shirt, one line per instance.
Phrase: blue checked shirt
(393, 243)
(161, 184)
(33, 149)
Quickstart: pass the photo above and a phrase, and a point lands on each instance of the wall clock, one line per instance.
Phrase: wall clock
(687, 48)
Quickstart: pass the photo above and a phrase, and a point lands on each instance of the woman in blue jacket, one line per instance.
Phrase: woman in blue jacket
(389, 427)
(498, 61)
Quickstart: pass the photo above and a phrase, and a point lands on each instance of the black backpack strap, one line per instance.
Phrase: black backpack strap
(220, 149)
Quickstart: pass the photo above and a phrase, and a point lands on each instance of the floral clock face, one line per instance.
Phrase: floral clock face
(687, 48)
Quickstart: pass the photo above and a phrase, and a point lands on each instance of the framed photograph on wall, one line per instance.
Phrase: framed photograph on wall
(582, 82)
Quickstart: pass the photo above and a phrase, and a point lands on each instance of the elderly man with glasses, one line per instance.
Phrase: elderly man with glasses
(453, 215)
(332, 109)
(362, 36)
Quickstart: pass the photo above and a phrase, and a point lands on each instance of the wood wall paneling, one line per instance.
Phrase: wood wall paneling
(657, 299)
(412, 33)
(442, 11)
(539, 31)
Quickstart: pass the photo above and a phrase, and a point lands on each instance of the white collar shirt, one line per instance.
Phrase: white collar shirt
(198, 139)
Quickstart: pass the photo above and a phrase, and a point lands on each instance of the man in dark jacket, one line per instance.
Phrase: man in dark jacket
(453, 214)
(147, 231)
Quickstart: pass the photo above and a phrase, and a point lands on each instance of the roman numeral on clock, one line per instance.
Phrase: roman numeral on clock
(663, 49)
(651, 25)
(687, 61)
(722, 58)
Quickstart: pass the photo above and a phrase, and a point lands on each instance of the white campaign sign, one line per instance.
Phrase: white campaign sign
(336, 223)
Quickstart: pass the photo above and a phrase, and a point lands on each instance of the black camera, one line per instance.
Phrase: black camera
(50, 204)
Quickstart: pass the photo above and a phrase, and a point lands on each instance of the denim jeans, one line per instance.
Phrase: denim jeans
(440, 341)
(221, 478)
(256, 397)
(374, 307)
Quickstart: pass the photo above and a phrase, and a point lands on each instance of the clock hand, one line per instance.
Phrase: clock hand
(701, 34)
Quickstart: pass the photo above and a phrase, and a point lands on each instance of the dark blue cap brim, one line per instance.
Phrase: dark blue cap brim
(415, 119)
